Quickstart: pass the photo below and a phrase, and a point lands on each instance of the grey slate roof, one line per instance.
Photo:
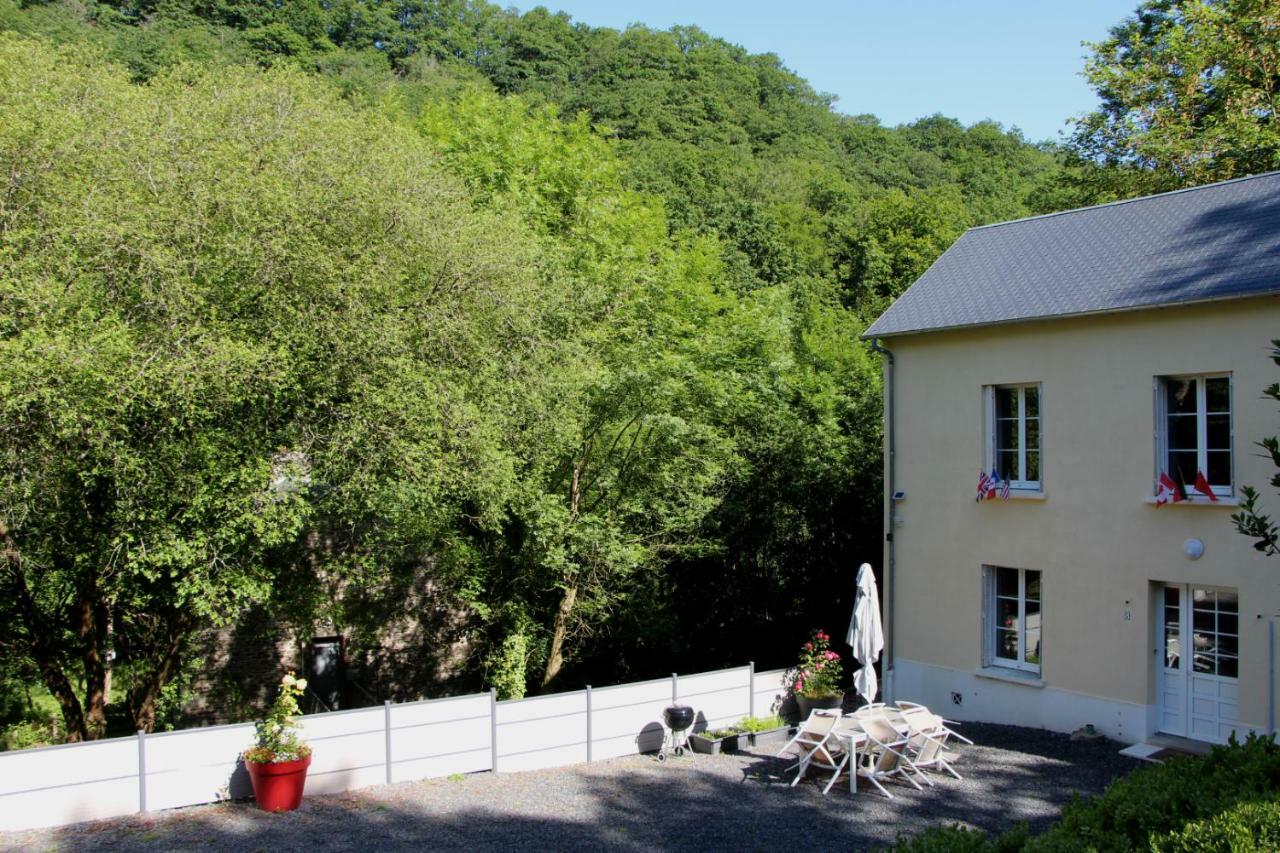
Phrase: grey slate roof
(1212, 242)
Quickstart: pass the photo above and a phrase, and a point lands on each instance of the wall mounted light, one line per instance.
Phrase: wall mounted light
(1193, 548)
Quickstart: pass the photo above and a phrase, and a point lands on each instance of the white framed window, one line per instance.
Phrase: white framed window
(1194, 431)
(1013, 434)
(1012, 618)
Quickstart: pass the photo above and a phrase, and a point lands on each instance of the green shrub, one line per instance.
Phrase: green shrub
(1227, 800)
(759, 724)
(29, 734)
(1245, 828)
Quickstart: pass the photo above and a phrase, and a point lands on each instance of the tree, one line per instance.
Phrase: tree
(1250, 520)
(234, 311)
(1190, 91)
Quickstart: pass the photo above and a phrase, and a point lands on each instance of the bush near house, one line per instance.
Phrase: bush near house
(1228, 800)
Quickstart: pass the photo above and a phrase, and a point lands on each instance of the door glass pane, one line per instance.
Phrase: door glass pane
(1172, 647)
(1007, 582)
(1228, 601)
(1217, 394)
(1230, 667)
(1171, 597)
(1219, 472)
(1180, 395)
(1203, 653)
(1227, 623)
(1033, 466)
(1228, 644)
(1032, 396)
(1203, 620)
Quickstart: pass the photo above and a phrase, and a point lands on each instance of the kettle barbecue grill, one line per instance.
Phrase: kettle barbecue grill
(679, 719)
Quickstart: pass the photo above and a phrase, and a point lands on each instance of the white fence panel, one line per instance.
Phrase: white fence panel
(440, 737)
(68, 784)
(348, 750)
(542, 731)
(771, 692)
(719, 698)
(197, 766)
(628, 719)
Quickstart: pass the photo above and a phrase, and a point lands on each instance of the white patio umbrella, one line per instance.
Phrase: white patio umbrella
(866, 635)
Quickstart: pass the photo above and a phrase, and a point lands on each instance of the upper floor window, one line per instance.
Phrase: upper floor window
(1013, 442)
(1194, 432)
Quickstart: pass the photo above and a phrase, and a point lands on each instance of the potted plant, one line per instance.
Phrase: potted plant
(764, 731)
(714, 742)
(278, 761)
(817, 675)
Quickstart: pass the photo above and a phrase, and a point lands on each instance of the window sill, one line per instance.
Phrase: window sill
(1011, 676)
(1018, 495)
(1197, 501)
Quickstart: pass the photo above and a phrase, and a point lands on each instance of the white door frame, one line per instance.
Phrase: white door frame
(1202, 705)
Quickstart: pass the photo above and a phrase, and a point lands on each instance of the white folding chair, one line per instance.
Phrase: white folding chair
(889, 759)
(938, 722)
(813, 743)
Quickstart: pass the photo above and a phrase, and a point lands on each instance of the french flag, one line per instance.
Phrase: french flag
(1202, 486)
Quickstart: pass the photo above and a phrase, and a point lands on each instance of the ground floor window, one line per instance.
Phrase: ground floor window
(1012, 618)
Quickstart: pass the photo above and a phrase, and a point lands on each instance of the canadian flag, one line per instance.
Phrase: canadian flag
(1167, 491)
(1202, 486)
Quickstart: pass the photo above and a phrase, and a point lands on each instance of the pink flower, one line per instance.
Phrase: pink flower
(808, 647)
(799, 685)
(831, 656)
(820, 665)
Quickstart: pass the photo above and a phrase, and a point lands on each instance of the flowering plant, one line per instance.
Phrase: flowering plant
(278, 736)
(817, 675)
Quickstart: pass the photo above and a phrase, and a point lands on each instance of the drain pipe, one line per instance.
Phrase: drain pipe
(888, 616)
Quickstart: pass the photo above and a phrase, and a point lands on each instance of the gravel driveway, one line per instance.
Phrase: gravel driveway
(729, 802)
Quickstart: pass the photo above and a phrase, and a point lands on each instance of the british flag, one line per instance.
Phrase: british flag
(984, 481)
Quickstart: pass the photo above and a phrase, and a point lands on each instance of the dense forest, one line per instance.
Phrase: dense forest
(534, 339)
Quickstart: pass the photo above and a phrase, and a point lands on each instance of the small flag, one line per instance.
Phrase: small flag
(1202, 486)
(1167, 490)
(1005, 485)
(983, 482)
(993, 485)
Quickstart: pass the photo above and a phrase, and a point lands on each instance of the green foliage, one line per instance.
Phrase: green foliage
(1228, 800)
(29, 734)
(817, 674)
(759, 724)
(506, 666)
(278, 737)
(1250, 520)
(1189, 94)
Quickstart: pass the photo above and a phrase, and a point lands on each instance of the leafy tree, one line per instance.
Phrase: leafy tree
(1250, 520)
(232, 311)
(1189, 90)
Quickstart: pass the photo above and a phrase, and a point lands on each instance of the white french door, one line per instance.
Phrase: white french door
(1198, 638)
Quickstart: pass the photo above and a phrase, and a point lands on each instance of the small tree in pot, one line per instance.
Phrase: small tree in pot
(817, 675)
(278, 762)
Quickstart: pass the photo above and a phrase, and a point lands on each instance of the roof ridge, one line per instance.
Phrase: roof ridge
(1118, 202)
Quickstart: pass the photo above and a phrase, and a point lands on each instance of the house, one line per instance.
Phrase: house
(1080, 356)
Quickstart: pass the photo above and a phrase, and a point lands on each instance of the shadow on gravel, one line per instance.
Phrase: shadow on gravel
(730, 803)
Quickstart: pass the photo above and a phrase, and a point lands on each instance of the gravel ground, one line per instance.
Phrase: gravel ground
(728, 802)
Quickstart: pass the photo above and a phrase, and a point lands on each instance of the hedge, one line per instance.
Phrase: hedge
(1228, 800)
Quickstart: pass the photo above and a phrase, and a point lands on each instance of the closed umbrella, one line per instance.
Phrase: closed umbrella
(866, 635)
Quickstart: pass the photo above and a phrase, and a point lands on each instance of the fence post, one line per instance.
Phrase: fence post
(588, 723)
(751, 687)
(675, 688)
(493, 728)
(142, 771)
(386, 720)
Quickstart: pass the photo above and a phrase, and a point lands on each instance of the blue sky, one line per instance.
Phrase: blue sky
(1016, 62)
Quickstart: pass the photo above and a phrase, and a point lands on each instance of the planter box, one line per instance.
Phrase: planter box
(714, 746)
(773, 737)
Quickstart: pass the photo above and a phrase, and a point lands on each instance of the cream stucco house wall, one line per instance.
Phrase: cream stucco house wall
(1079, 356)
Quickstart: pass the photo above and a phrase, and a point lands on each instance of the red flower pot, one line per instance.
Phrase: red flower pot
(278, 786)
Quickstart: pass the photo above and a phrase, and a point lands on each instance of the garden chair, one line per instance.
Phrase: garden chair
(889, 759)
(928, 720)
(816, 747)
